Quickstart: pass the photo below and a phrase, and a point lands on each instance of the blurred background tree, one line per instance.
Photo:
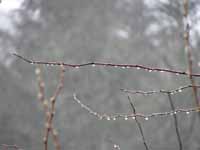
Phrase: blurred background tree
(145, 32)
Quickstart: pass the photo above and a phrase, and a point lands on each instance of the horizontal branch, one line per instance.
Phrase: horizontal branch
(132, 116)
(7, 146)
(162, 91)
(94, 64)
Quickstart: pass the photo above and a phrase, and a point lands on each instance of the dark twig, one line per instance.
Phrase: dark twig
(93, 64)
(175, 122)
(138, 123)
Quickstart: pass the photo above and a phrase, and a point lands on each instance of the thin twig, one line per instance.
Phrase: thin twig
(86, 107)
(49, 109)
(132, 116)
(41, 93)
(162, 91)
(175, 122)
(93, 64)
(138, 124)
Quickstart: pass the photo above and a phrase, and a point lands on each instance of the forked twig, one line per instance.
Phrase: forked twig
(138, 123)
(52, 112)
(49, 108)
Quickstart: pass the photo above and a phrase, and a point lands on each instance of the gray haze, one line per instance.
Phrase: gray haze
(80, 31)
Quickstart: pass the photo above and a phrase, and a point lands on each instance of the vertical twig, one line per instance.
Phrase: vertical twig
(175, 122)
(49, 108)
(188, 50)
(138, 123)
(41, 85)
(41, 97)
(52, 112)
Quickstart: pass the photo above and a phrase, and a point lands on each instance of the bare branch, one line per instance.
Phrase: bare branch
(93, 64)
(132, 116)
(52, 112)
(49, 109)
(162, 91)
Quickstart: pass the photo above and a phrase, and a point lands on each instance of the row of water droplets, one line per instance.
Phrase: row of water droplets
(133, 117)
(52, 64)
(162, 91)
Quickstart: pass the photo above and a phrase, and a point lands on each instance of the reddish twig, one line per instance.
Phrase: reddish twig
(188, 49)
(49, 108)
(52, 112)
(93, 64)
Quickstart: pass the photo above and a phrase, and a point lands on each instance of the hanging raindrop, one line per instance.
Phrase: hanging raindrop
(108, 118)
(180, 90)
(114, 118)
(77, 67)
(116, 146)
(187, 112)
(126, 118)
(133, 117)
(100, 117)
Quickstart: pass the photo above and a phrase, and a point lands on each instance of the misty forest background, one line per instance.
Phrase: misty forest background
(148, 32)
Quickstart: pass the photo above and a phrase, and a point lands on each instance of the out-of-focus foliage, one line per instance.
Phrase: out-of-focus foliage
(78, 31)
